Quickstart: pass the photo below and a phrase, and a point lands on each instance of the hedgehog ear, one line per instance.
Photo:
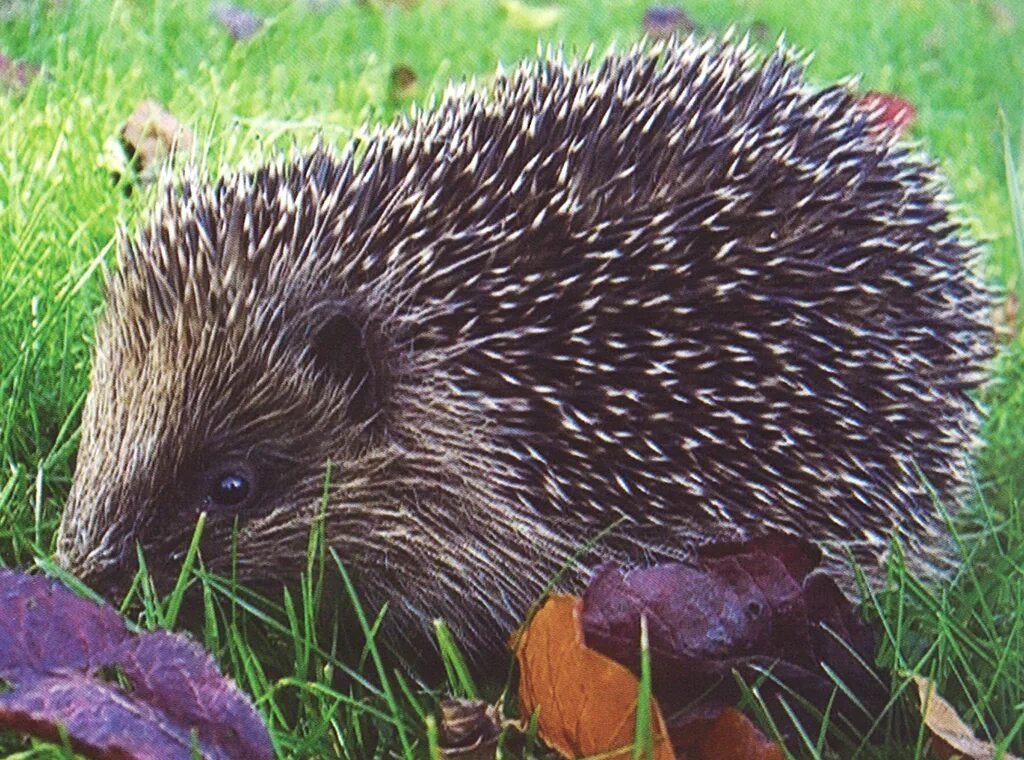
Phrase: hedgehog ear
(340, 348)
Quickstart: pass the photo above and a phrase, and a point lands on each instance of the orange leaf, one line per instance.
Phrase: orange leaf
(732, 736)
(586, 702)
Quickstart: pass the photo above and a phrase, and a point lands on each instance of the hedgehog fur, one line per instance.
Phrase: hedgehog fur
(677, 291)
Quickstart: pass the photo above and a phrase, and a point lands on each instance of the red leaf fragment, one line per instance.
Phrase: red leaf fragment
(748, 608)
(239, 22)
(55, 648)
(891, 111)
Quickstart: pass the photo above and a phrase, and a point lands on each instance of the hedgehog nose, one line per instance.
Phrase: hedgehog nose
(109, 578)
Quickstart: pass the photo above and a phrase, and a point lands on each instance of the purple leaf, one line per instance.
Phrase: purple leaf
(661, 22)
(240, 23)
(15, 74)
(744, 607)
(63, 658)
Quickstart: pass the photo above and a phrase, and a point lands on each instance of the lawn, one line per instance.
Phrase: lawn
(325, 69)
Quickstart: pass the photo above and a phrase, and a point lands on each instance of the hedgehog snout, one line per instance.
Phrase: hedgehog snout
(110, 579)
(103, 565)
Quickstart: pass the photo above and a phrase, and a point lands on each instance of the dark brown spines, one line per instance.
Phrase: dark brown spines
(680, 290)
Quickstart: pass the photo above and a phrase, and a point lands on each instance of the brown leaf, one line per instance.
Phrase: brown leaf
(1006, 318)
(149, 135)
(953, 735)
(468, 729)
(729, 736)
(403, 82)
(586, 702)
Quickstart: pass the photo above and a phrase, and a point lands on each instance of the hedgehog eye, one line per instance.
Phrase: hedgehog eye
(230, 490)
(230, 487)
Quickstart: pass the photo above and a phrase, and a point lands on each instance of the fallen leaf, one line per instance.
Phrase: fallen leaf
(468, 729)
(760, 31)
(1003, 16)
(239, 22)
(585, 702)
(403, 82)
(1006, 318)
(72, 663)
(949, 729)
(935, 38)
(531, 17)
(745, 608)
(729, 736)
(11, 9)
(661, 22)
(892, 111)
(149, 136)
(15, 74)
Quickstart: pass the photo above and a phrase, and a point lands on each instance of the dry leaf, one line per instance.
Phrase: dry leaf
(1006, 318)
(149, 135)
(403, 82)
(1003, 15)
(468, 729)
(955, 736)
(730, 736)
(586, 702)
(531, 17)
(11, 9)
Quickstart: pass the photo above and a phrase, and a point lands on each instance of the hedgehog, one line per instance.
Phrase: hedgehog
(668, 296)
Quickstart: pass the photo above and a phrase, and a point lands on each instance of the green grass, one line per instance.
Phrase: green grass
(328, 73)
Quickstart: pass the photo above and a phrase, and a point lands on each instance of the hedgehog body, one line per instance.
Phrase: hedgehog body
(677, 292)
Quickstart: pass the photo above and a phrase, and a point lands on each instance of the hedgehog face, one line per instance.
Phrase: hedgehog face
(182, 422)
(221, 387)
